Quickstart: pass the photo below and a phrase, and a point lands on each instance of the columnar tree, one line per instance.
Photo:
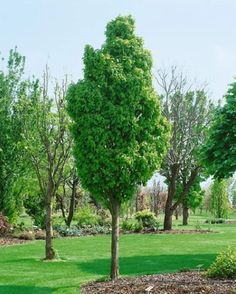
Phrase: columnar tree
(219, 152)
(189, 113)
(219, 199)
(119, 133)
(10, 155)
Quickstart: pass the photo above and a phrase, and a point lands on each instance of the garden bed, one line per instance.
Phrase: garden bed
(10, 241)
(179, 283)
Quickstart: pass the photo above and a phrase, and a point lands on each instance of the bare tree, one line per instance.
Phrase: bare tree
(47, 141)
(189, 113)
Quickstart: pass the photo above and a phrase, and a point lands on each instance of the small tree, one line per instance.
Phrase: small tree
(219, 199)
(120, 136)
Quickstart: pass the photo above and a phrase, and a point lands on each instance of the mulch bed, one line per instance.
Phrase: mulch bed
(180, 283)
(10, 241)
(172, 232)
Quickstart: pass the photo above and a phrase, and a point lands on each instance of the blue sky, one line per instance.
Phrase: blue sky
(197, 35)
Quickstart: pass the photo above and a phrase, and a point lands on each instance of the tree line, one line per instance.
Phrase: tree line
(107, 134)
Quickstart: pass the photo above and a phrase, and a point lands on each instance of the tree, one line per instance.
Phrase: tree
(192, 199)
(219, 151)
(219, 199)
(46, 141)
(189, 113)
(10, 154)
(119, 133)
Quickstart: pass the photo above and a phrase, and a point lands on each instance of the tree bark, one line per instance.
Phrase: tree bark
(171, 192)
(185, 215)
(49, 251)
(115, 211)
(72, 204)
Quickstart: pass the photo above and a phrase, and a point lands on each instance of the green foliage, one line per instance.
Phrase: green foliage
(224, 266)
(147, 219)
(11, 86)
(132, 226)
(219, 199)
(86, 216)
(119, 134)
(219, 152)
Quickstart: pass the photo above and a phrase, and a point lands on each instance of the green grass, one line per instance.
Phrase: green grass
(87, 258)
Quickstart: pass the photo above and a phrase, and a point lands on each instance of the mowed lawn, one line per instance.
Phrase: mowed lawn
(87, 258)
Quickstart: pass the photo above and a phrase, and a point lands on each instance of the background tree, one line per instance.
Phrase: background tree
(46, 141)
(189, 113)
(219, 199)
(219, 152)
(119, 133)
(10, 153)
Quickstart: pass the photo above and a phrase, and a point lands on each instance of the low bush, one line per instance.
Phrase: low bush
(67, 232)
(131, 226)
(40, 235)
(86, 216)
(4, 225)
(27, 235)
(224, 266)
(215, 221)
(147, 219)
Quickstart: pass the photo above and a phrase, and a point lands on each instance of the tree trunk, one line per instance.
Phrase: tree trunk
(171, 192)
(72, 204)
(185, 215)
(115, 211)
(168, 219)
(49, 251)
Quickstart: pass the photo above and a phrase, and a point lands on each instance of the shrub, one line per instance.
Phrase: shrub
(131, 226)
(67, 232)
(86, 216)
(215, 221)
(27, 235)
(127, 225)
(147, 219)
(40, 235)
(224, 265)
(4, 225)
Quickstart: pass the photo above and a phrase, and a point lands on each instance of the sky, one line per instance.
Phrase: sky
(196, 35)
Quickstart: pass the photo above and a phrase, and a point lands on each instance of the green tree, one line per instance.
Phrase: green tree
(10, 154)
(47, 143)
(119, 133)
(219, 199)
(219, 152)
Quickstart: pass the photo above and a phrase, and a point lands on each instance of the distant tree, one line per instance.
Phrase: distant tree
(219, 152)
(189, 112)
(155, 191)
(11, 82)
(219, 199)
(120, 135)
(192, 199)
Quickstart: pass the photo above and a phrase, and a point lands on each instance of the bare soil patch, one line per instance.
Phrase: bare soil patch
(180, 283)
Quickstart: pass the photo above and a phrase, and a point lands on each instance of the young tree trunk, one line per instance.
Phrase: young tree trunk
(115, 211)
(72, 204)
(49, 251)
(185, 215)
(171, 192)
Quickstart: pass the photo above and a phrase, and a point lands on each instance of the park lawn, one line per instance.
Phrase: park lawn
(87, 258)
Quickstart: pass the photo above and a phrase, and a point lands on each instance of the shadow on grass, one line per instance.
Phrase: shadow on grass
(140, 265)
(9, 289)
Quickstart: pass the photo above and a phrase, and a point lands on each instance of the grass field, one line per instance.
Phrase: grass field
(87, 258)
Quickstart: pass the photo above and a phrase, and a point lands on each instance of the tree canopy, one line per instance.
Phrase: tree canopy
(219, 152)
